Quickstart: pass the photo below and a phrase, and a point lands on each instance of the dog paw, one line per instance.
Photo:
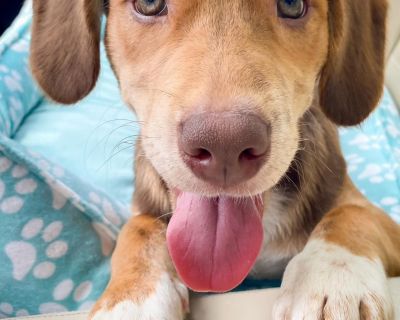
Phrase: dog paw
(326, 281)
(168, 301)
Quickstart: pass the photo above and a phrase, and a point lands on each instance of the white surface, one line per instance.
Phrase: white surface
(254, 305)
(393, 51)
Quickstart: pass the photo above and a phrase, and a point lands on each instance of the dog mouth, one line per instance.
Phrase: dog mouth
(214, 242)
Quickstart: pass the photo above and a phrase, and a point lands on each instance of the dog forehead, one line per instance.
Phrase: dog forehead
(222, 13)
(212, 11)
(219, 16)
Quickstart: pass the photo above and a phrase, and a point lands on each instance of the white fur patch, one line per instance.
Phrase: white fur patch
(166, 303)
(326, 281)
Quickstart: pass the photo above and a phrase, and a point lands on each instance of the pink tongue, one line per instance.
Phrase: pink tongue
(214, 242)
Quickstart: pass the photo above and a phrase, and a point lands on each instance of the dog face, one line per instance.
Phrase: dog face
(219, 86)
(217, 62)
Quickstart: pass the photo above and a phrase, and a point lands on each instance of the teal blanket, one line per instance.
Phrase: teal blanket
(66, 180)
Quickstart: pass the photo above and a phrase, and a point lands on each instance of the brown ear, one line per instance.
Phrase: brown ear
(352, 79)
(65, 47)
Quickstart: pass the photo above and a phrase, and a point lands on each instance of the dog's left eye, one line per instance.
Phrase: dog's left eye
(291, 9)
(151, 7)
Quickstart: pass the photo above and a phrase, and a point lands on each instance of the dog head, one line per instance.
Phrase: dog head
(218, 85)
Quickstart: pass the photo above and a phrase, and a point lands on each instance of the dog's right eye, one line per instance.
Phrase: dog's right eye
(291, 9)
(150, 8)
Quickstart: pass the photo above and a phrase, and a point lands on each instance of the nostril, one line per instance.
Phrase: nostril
(225, 148)
(250, 154)
(200, 154)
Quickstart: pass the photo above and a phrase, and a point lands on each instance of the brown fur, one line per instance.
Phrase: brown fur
(141, 265)
(305, 193)
(151, 194)
(303, 76)
(365, 230)
(352, 79)
(65, 47)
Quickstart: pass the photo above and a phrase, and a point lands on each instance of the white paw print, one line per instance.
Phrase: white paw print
(64, 290)
(23, 253)
(106, 207)
(7, 310)
(107, 239)
(59, 198)
(23, 186)
(61, 193)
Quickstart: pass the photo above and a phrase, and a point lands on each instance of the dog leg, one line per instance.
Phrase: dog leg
(143, 284)
(342, 272)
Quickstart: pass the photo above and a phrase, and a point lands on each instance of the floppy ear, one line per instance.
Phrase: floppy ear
(65, 47)
(352, 79)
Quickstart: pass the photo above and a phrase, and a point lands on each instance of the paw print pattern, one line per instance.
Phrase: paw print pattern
(13, 203)
(23, 253)
(107, 239)
(107, 208)
(7, 310)
(42, 211)
(14, 89)
(66, 289)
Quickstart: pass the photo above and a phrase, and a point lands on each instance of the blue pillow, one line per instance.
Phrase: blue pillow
(94, 139)
(372, 151)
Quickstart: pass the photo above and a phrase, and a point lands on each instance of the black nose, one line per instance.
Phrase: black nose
(225, 148)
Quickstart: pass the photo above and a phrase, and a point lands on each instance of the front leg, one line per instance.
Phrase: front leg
(143, 284)
(342, 272)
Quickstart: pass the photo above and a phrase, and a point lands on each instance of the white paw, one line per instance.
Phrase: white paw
(169, 301)
(326, 281)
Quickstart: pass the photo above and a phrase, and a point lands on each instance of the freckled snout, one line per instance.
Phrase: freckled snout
(225, 148)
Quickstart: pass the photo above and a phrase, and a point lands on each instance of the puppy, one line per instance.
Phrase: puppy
(239, 102)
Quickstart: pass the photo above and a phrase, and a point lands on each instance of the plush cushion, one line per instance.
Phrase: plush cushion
(92, 139)
(66, 180)
(58, 228)
(372, 151)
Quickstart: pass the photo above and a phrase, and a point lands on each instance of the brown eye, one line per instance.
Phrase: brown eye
(151, 7)
(291, 9)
